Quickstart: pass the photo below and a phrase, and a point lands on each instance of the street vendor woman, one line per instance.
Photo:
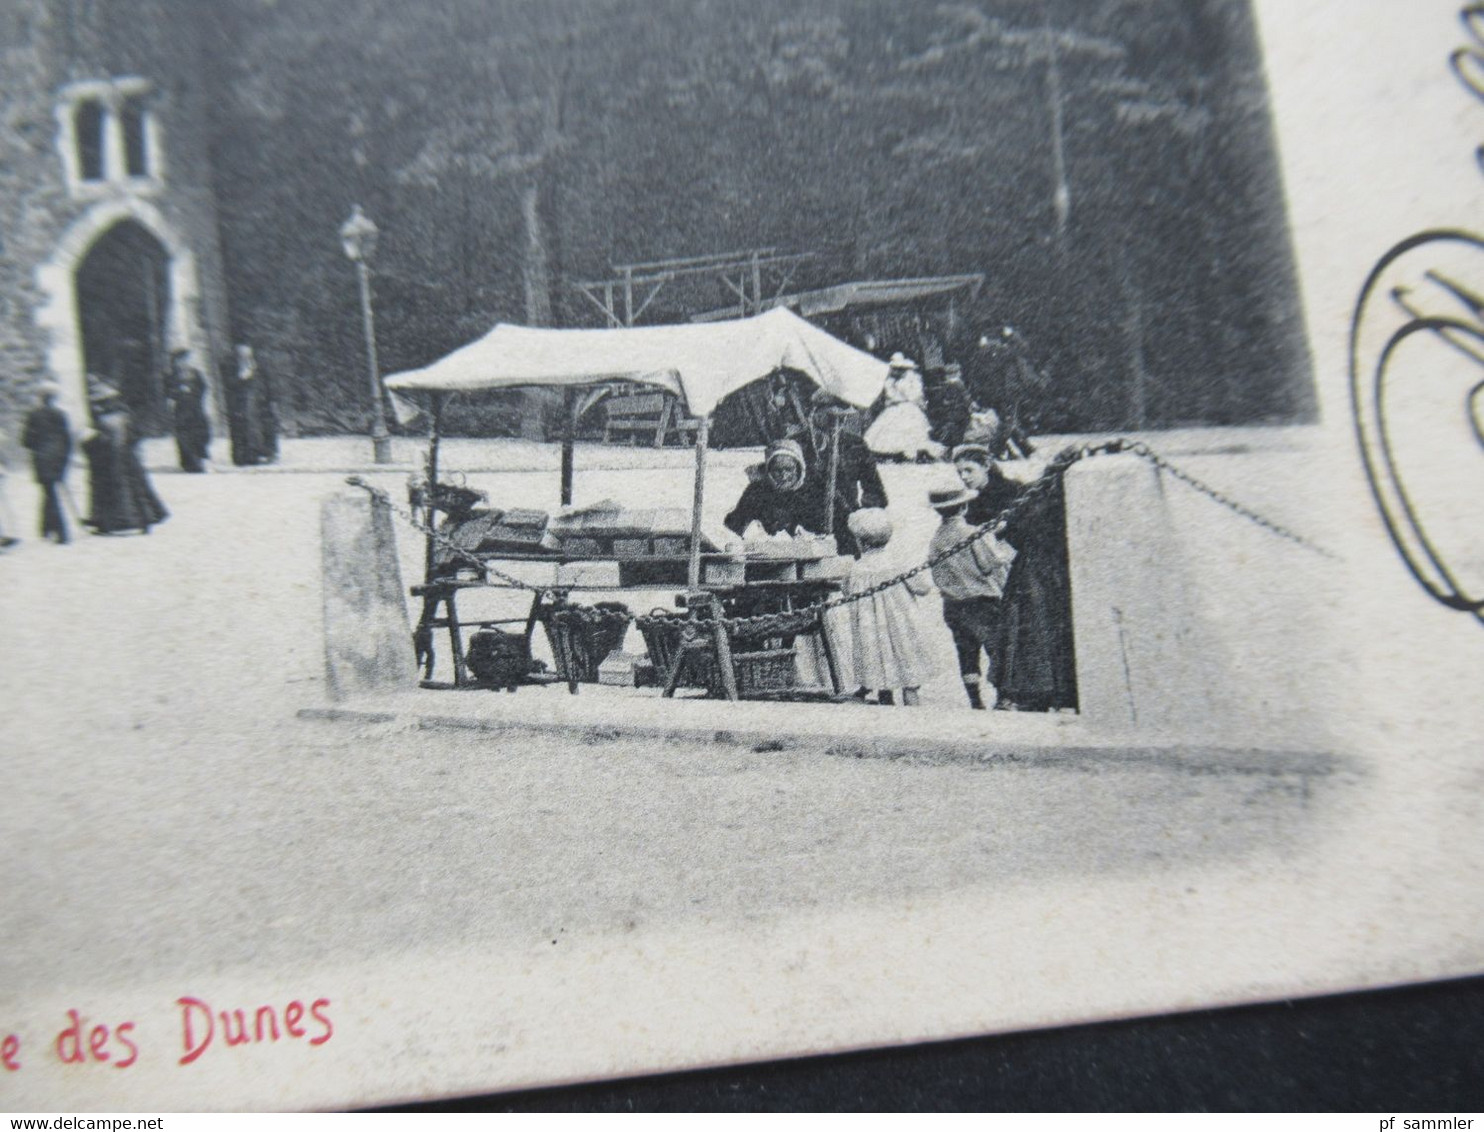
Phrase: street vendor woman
(791, 490)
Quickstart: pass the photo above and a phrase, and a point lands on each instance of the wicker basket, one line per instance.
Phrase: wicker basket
(661, 631)
(760, 672)
(583, 636)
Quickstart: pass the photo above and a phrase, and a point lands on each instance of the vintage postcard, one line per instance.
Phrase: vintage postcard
(556, 541)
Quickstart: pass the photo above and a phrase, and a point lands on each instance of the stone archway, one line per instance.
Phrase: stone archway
(123, 300)
(60, 316)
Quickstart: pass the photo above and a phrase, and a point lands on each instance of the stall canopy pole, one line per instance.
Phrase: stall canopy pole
(834, 479)
(693, 576)
(431, 515)
(569, 439)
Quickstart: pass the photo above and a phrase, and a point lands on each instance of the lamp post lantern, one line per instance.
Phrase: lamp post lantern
(358, 238)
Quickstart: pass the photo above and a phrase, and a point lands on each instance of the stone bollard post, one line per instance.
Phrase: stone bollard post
(368, 639)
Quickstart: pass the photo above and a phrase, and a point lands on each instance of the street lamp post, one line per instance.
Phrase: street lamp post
(358, 238)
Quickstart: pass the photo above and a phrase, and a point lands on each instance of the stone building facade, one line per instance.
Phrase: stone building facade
(111, 257)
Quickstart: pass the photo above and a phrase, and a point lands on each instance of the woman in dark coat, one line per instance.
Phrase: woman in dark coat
(1037, 659)
(187, 392)
(121, 496)
(254, 427)
(792, 491)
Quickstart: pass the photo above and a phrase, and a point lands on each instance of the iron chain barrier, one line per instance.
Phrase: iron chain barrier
(790, 622)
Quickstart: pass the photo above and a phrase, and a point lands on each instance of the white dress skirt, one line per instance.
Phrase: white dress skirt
(902, 428)
(890, 648)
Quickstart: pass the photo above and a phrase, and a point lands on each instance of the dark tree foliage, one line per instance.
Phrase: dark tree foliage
(1108, 164)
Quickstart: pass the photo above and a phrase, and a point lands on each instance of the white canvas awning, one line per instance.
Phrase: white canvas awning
(700, 362)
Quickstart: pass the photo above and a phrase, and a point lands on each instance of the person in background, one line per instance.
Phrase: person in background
(121, 497)
(250, 412)
(1037, 670)
(186, 389)
(980, 473)
(972, 582)
(949, 406)
(49, 440)
(857, 480)
(901, 430)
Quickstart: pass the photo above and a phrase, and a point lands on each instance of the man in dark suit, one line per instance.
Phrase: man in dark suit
(857, 481)
(50, 442)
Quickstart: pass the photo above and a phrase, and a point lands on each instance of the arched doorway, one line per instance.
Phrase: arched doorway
(123, 304)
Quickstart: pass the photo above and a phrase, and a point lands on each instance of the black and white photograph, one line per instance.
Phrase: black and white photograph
(546, 542)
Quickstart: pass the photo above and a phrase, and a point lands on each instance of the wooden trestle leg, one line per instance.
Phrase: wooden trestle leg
(723, 649)
(455, 640)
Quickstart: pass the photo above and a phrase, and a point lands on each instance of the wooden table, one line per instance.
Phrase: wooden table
(771, 592)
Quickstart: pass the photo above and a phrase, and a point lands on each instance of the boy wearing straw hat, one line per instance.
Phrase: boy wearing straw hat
(972, 581)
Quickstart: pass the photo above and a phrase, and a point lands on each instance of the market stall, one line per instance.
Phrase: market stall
(610, 547)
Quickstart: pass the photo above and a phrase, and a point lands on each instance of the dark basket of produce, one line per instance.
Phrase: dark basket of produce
(583, 636)
(497, 657)
(662, 631)
(758, 672)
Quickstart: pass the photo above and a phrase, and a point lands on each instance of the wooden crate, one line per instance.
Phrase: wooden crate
(580, 574)
(772, 570)
(729, 572)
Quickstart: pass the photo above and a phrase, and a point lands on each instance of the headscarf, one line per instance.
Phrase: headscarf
(786, 450)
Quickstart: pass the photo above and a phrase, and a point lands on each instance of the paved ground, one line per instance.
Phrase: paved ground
(166, 812)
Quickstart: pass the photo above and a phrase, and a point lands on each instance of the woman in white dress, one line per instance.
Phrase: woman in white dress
(888, 627)
(902, 430)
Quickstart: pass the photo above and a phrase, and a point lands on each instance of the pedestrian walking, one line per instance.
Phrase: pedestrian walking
(48, 437)
(949, 407)
(122, 498)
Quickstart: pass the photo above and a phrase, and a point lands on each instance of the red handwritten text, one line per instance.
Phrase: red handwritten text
(79, 1043)
(200, 1029)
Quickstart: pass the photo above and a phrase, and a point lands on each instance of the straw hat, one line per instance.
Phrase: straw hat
(947, 498)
